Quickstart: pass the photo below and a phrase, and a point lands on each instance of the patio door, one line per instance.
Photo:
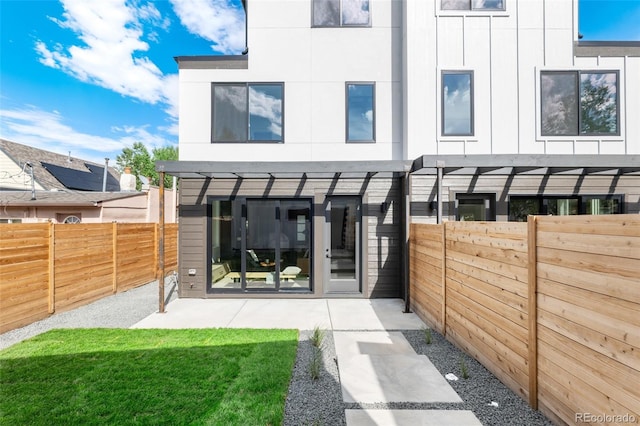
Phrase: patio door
(342, 228)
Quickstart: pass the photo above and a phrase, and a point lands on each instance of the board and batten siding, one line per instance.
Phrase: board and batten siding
(380, 248)
(506, 51)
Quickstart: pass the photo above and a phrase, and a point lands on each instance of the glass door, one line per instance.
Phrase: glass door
(342, 244)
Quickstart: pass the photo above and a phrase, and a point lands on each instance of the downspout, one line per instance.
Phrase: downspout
(161, 245)
(406, 230)
(440, 168)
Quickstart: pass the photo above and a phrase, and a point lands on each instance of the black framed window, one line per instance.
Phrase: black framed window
(521, 206)
(360, 110)
(476, 207)
(247, 112)
(472, 5)
(579, 103)
(341, 13)
(260, 244)
(457, 103)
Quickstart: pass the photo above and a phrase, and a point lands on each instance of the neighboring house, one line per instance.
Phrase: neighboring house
(66, 189)
(303, 162)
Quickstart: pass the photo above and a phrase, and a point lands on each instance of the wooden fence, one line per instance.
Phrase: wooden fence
(552, 307)
(46, 267)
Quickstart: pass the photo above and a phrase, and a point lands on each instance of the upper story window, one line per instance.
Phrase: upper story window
(457, 103)
(247, 112)
(360, 112)
(579, 103)
(472, 4)
(341, 13)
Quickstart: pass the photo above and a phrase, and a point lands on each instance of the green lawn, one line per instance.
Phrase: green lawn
(121, 376)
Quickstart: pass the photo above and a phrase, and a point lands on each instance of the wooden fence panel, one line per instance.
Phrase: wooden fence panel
(136, 254)
(589, 315)
(24, 274)
(486, 282)
(171, 247)
(82, 264)
(426, 248)
(48, 267)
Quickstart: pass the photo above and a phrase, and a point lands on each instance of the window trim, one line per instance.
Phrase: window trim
(248, 84)
(471, 106)
(346, 108)
(578, 73)
(340, 25)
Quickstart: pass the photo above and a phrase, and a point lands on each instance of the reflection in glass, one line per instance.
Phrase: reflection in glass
(265, 112)
(488, 4)
(355, 12)
(598, 103)
(456, 4)
(225, 244)
(457, 98)
(559, 103)
(326, 13)
(360, 112)
(343, 238)
(229, 113)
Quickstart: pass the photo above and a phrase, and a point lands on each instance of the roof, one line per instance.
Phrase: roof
(280, 169)
(75, 170)
(61, 198)
(539, 164)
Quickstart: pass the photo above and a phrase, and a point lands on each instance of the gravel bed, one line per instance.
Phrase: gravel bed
(319, 402)
(122, 310)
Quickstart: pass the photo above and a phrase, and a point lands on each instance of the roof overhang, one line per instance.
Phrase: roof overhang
(281, 169)
(532, 164)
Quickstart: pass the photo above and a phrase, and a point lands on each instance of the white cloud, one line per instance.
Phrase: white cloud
(266, 106)
(109, 54)
(219, 21)
(47, 130)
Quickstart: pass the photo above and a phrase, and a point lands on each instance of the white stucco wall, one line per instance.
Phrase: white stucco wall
(314, 64)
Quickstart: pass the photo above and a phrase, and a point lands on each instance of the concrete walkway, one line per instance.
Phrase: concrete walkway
(376, 364)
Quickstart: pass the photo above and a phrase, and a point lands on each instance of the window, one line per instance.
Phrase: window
(522, 206)
(472, 5)
(341, 13)
(576, 103)
(457, 103)
(360, 112)
(247, 112)
(260, 244)
(473, 207)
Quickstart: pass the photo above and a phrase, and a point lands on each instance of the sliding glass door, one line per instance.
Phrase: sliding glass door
(260, 244)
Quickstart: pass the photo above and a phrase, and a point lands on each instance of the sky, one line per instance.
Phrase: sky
(92, 77)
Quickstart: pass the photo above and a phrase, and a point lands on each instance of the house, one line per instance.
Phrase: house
(303, 161)
(39, 186)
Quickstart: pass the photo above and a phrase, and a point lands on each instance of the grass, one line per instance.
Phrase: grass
(317, 337)
(121, 376)
(464, 370)
(427, 335)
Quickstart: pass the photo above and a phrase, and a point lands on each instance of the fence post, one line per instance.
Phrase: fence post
(114, 250)
(52, 274)
(533, 311)
(444, 279)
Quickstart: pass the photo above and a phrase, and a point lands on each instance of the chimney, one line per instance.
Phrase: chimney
(106, 173)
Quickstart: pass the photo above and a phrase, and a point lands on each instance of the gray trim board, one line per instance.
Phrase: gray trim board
(606, 48)
(284, 169)
(235, 62)
(526, 164)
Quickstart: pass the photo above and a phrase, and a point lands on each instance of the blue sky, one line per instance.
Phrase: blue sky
(93, 77)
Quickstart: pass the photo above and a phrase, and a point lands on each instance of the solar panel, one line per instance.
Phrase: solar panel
(90, 180)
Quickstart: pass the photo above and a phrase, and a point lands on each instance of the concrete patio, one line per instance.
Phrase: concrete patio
(376, 363)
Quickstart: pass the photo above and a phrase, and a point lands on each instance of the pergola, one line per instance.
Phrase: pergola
(436, 165)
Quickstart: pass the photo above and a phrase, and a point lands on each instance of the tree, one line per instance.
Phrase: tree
(143, 164)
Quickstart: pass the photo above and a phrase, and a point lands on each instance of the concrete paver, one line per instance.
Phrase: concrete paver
(411, 417)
